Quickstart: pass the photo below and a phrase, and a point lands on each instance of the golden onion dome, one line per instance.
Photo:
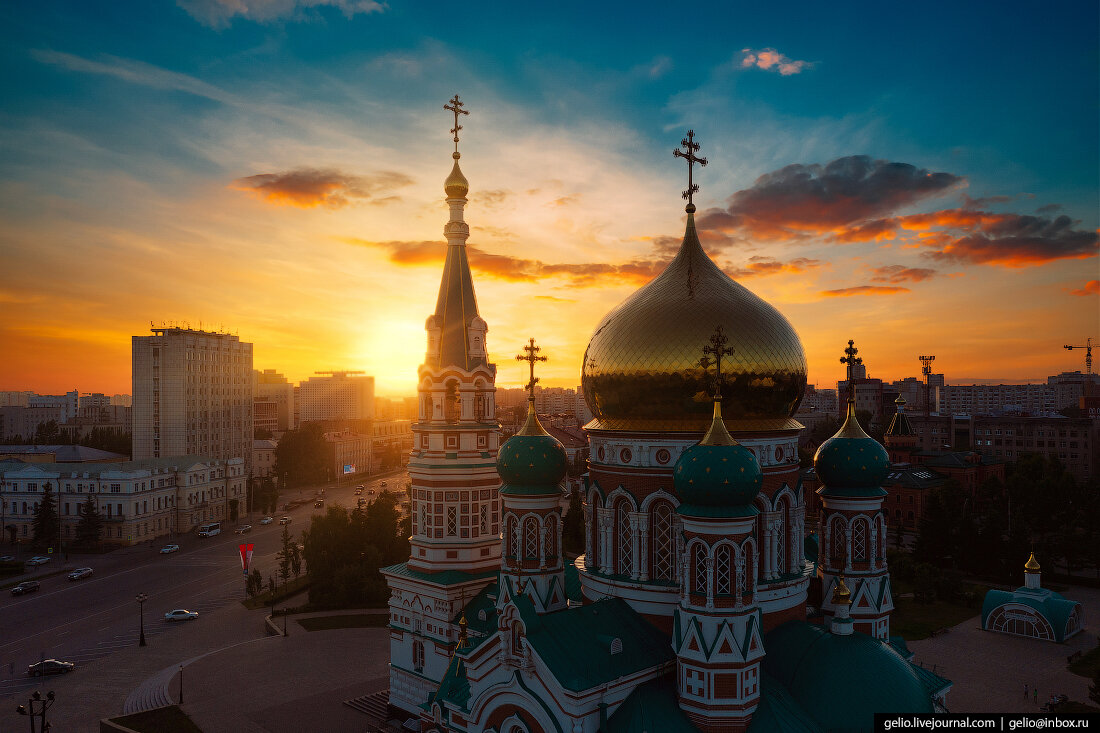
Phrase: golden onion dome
(642, 366)
(456, 184)
(1032, 565)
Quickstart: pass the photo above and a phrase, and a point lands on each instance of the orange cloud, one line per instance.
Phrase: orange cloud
(1092, 287)
(769, 59)
(901, 273)
(311, 187)
(864, 290)
(516, 269)
(771, 266)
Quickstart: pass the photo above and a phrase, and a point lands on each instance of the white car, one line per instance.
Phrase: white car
(169, 548)
(80, 573)
(37, 560)
(285, 520)
(180, 614)
(243, 528)
(266, 520)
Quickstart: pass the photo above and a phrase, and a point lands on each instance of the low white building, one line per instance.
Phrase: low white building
(139, 500)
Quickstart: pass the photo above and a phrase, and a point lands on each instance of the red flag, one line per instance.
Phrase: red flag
(246, 557)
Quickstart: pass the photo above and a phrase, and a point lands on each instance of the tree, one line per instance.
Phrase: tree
(572, 530)
(45, 519)
(284, 554)
(255, 583)
(234, 504)
(90, 526)
(295, 560)
(302, 456)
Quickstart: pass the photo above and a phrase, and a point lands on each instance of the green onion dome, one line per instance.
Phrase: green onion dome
(532, 461)
(717, 477)
(851, 459)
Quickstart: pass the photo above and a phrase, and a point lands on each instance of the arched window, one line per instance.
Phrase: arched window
(510, 549)
(839, 543)
(699, 568)
(550, 544)
(723, 571)
(530, 538)
(661, 541)
(860, 540)
(626, 539)
(517, 638)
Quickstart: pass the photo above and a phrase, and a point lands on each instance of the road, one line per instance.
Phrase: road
(79, 621)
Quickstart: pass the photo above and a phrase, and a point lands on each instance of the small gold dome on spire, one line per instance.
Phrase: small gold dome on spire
(1032, 565)
(841, 595)
(456, 184)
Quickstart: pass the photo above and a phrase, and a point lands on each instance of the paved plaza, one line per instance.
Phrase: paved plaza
(989, 670)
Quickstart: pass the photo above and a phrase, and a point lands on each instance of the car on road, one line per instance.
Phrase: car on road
(243, 528)
(7, 558)
(266, 520)
(383, 484)
(27, 586)
(169, 548)
(319, 503)
(285, 520)
(181, 614)
(80, 573)
(50, 666)
(37, 560)
(359, 489)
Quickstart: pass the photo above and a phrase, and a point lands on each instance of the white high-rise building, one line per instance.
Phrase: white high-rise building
(192, 395)
(338, 396)
(272, 392)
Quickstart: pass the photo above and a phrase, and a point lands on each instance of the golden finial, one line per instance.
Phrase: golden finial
(841, 595)
(463, 641)
(688, 153)
(851, 360)
(1032, 565)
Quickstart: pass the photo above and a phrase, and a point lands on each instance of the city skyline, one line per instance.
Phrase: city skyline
(277, 169)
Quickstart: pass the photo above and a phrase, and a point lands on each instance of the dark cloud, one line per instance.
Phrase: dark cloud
(801, 201)
(1014, 240)
(327, 187)
(901, 273)
(864, 290)
(771, 266)
(971, 203)
(1049, 209)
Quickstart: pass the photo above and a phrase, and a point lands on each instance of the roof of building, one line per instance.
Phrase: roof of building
(531, 462)
(481, 615)
(777, 710)
(651, 707)
(446, 577)
(568, 437)
(455, 309)
(576, 643)
(74, 470)
(264, 445)
(842, 680)
(64, 453)
(957, 459)
(899, 423)
(1054, 607)
(717, 476)
(909, 476)
(851, 460)
(454, 687)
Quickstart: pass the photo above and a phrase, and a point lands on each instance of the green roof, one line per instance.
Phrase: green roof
(484, 603)
(446, 577)
(573, 583)
(778, 711)
(652, 707)
(454, 687)
(575, 644)
(841, 681)
(714, 477)
(1054, 607)
(531, 464)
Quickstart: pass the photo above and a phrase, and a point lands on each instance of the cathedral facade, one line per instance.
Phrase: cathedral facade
(700, 602)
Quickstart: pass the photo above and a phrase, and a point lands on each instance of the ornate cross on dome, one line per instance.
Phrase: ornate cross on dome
(456, 107)
(851, 360)
(688, 153)
(719, 349)
(531, 357)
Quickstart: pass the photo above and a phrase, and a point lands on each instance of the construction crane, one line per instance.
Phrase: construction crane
(926, 370)
(1088, 363)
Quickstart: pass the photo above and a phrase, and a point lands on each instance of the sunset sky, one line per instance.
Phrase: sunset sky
(919, 178)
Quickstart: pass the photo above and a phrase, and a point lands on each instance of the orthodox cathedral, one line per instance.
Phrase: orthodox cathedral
(700, 603)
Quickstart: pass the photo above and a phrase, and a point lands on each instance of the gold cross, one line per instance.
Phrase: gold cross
(531, 357)
(456, 107)
(688, 153)
(851, 360)
(719, 349)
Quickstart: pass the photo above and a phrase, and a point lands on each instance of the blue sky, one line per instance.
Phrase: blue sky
(129, 130)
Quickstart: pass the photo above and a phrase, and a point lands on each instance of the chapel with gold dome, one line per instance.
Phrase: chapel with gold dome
(690, 609)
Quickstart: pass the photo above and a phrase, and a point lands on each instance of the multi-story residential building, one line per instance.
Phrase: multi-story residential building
(388, 437)
(139, 500)
(263, 458)
(273, 397)
(15, 399)
(58, 454)
(994, 399)
(192, 395)
(68, 402)
(339, 396)
(349, 453)
(18, 421)
(122, 400)
(1070, 387)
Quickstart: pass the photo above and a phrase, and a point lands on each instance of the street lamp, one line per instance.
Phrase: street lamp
(36, 701)
(141, 599)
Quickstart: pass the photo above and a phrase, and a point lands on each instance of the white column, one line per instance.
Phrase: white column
(708, 563)
(588, 519)
(635, 549)
(643, 556)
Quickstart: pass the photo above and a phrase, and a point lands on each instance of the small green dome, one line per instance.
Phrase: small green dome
(851, 459)
(532, 461)
(717, 476)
